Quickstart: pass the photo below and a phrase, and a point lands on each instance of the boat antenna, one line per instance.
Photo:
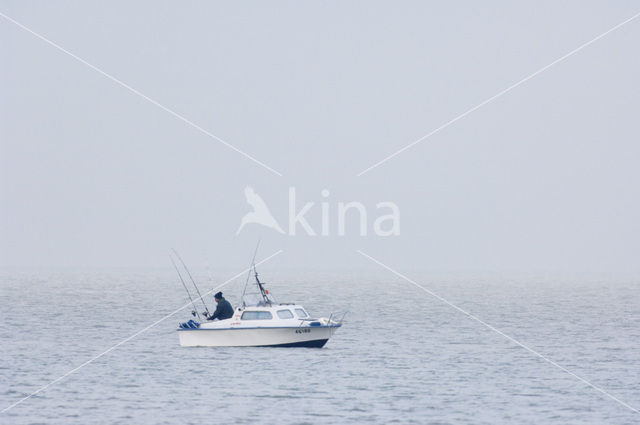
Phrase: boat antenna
(195, 311)
(253, 266)
(192, 281)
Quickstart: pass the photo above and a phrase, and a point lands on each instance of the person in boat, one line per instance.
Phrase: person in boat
(223, 309)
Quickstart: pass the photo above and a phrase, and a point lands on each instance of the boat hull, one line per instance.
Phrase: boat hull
(257, 337)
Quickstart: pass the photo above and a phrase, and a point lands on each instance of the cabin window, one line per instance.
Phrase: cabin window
(285, 314)
(256, 315)
(301, 313)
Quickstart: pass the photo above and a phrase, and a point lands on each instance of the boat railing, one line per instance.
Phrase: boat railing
(338, 317)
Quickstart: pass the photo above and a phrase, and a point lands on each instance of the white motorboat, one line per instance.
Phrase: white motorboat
(261, 322)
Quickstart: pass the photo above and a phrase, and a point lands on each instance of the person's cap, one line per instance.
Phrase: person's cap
(218, 295)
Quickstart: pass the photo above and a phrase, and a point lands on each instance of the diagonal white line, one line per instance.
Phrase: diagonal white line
(134, 335)
(145, 97)
(492, 98)
(498, 331)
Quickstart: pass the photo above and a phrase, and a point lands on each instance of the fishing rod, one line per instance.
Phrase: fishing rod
(192, 281)
(195, 311)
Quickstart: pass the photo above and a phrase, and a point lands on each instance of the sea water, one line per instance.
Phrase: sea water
(402, 356)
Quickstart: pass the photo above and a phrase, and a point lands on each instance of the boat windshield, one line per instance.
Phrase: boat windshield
(301, 313)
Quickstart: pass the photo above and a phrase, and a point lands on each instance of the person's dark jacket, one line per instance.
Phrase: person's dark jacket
(223, 310)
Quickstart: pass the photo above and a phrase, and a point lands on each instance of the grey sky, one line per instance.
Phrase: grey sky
(546, 177)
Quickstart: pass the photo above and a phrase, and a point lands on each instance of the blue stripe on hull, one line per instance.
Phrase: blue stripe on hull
(317, 343)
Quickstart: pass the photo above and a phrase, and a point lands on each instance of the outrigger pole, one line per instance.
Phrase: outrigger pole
(192, 281)
(195, 311)
(253, 266)
(262, 291)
